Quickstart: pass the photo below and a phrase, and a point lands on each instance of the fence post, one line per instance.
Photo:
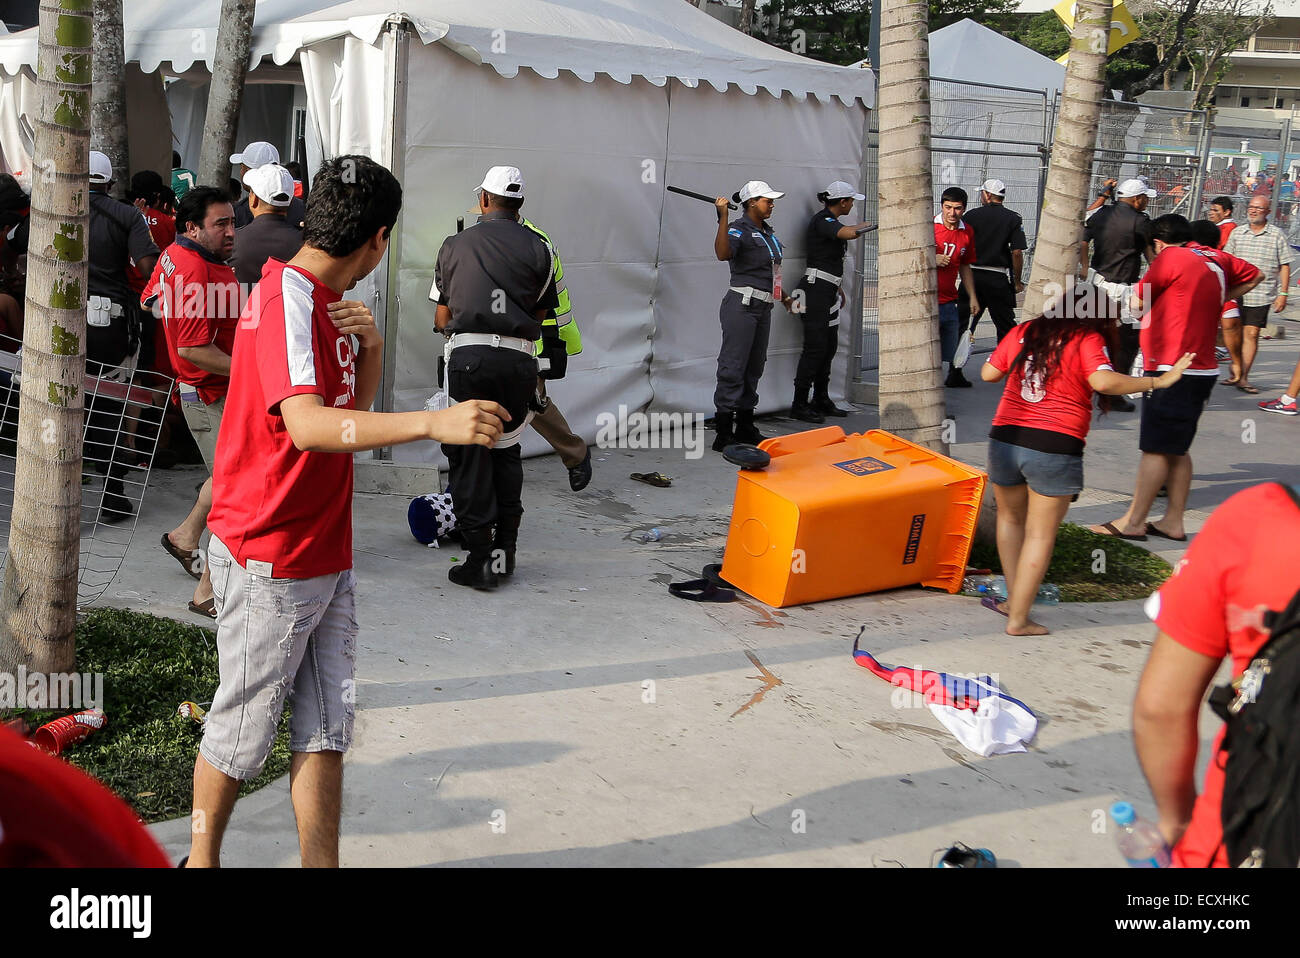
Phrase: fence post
(1202, 163)
(1282, 148)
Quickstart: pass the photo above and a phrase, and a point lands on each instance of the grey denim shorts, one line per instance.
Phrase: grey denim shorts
(276, 638)
(1047, 473)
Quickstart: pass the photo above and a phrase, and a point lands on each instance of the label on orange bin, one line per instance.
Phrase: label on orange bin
(862, 467)
(914, 539)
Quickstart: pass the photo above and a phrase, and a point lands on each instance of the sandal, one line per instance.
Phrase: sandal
(1114, 533)
(207, 607)
(1153, 531)
(653, 478)
(991, 602)
(1247, 388)
(186, 559)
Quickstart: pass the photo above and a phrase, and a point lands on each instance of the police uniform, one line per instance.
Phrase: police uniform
(998, 232)
(494, 278)
(746, 318)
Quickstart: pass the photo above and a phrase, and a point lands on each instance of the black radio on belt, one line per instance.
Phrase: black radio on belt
(553, 360)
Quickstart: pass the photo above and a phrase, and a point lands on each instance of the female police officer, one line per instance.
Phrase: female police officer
(817, 301)
(746, 313)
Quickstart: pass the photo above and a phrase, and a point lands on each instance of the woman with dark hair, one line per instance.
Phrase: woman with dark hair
(1053, 364)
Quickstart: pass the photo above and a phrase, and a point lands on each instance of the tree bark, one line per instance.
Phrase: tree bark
(38, 597)
(226, 94)
(1056, 253)
(108, 102)
(911, 390)
(747, 17)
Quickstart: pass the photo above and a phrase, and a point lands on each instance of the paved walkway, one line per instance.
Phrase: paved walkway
(517, 729)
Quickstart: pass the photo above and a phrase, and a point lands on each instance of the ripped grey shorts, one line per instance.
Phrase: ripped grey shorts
(277, 637)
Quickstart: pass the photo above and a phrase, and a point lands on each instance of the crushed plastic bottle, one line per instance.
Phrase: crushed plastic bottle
(1048, 594)
(654, 535)
(981, 585)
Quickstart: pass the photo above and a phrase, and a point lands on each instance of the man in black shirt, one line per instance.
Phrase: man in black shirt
(270, 191)
(260, 153)
(493, 285)
(999, 260)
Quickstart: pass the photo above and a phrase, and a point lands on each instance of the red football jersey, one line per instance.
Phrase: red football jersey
(1225, 230)
(288, 510)
(959, 245)
(1242, 564)
(163, 230)
(1064, 402)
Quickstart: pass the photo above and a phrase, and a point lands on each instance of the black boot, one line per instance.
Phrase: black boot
(476, 571)
(115, 507)
(957, 379)
(823, 404)
(801, 409)
(503, 545)
(725, 436)
(746, 431)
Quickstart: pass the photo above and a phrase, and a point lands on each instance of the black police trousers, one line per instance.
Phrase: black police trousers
(997, 297)
(820, 338)
(743, 355)
(488, 483)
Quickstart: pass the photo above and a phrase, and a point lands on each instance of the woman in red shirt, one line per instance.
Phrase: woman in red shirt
(1053, 365)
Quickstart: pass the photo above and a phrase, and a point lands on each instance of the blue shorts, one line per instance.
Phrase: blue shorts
(1047, 473)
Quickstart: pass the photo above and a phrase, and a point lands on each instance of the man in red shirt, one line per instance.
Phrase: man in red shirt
(1220, 214)
(196, 296)
(1241, 565)
(306, 366)
(1182, 296)
(954, 252)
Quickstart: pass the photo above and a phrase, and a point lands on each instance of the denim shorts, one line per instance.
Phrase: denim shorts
(1047, 473)
(278, 638)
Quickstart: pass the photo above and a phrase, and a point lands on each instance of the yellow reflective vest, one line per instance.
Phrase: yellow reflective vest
(562, 316)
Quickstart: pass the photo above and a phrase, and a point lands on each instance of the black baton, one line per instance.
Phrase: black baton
(699, 196)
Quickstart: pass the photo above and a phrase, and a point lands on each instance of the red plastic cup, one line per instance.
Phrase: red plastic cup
(54, 737)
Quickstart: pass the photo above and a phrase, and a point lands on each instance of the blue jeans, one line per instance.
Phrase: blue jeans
(949, 331)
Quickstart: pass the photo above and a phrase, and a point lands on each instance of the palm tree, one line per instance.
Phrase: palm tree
(108, 103)
(226, 93)
(911, 392)
(38, 596)
(1056, 251)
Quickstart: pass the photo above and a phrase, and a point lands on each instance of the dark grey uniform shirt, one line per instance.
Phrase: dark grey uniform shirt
(267, 236)
(755, 251)
(825, 248)
(1119, 235)
(296, 212)
(495, 277)
(998, 231)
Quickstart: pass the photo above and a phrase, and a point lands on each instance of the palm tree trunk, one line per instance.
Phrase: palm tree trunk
(108, 104)
(226, 94)
(1056, 253)
(747, 17)
(38, 597)
(911, 391)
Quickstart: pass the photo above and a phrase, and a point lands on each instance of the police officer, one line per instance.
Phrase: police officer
(493, 286)
(999, 262)
(754, 252)
(817, 302)
(256, 154)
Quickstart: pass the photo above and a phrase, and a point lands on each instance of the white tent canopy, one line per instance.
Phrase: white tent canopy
(618, 99)
(969, 51)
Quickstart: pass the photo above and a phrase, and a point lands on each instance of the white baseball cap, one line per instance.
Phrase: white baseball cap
(995, 187)
(258, 153)
(755, 188)
(271, 183)
(839, 190)
(503, 181)
(1131, 188)
(101, 170)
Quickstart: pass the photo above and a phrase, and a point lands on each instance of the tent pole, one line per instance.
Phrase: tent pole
(396, 44)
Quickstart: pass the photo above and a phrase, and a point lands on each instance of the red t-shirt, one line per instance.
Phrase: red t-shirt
(1243, 563)
(1225, 230)
(163, 230)
(53, 815)
(1185, 289)
(1064, 403)
(200, 302)
(959, 244)
(272, 503)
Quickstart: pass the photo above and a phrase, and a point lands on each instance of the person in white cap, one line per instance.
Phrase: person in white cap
(754, 252)
(817, 301)
(999, 262)
(493, 285)
(270, 191)
(259, 153)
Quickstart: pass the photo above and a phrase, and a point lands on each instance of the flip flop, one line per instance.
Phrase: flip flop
(1116, 534)
(1248, 389)
(207, 607)
(1228, 382)
(653, 478)
(1153, 531)
(186, 559)
(991, 602)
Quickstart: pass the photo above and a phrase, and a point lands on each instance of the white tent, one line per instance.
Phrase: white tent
(966, 50)
(601, 103)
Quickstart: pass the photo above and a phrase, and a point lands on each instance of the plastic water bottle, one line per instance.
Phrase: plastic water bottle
(1139, 841)
(1048, 594)
(994, 585)
(654, 535)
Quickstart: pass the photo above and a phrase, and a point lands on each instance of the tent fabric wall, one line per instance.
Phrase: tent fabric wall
(17, 96)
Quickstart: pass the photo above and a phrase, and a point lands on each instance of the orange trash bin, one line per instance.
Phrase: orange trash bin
(836, 515)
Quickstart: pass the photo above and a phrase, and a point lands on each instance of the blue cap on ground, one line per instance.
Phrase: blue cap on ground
(431, 517)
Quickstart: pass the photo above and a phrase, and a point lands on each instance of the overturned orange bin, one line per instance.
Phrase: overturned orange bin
(836, 515)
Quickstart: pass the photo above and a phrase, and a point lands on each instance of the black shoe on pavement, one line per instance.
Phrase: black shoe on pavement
(723, 421)
(746, 431)
(580, 474)
(823, 403)
(805, 412)
(957, 380)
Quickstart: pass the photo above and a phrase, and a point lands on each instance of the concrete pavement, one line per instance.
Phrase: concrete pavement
(582, 716)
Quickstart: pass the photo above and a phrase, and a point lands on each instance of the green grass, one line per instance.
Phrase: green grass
(145, 753)
(1130, 572)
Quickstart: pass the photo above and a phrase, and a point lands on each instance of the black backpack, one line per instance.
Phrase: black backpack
(1261, 788)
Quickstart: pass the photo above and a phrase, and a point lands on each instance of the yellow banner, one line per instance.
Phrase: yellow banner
(1123, 29)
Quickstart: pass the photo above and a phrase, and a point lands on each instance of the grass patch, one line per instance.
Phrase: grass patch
(145, 753)
(1130, 572)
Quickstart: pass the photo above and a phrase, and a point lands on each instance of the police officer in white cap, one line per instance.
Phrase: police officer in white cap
(817, 301)
(754, 252)
(256, 154)
(999, 262)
